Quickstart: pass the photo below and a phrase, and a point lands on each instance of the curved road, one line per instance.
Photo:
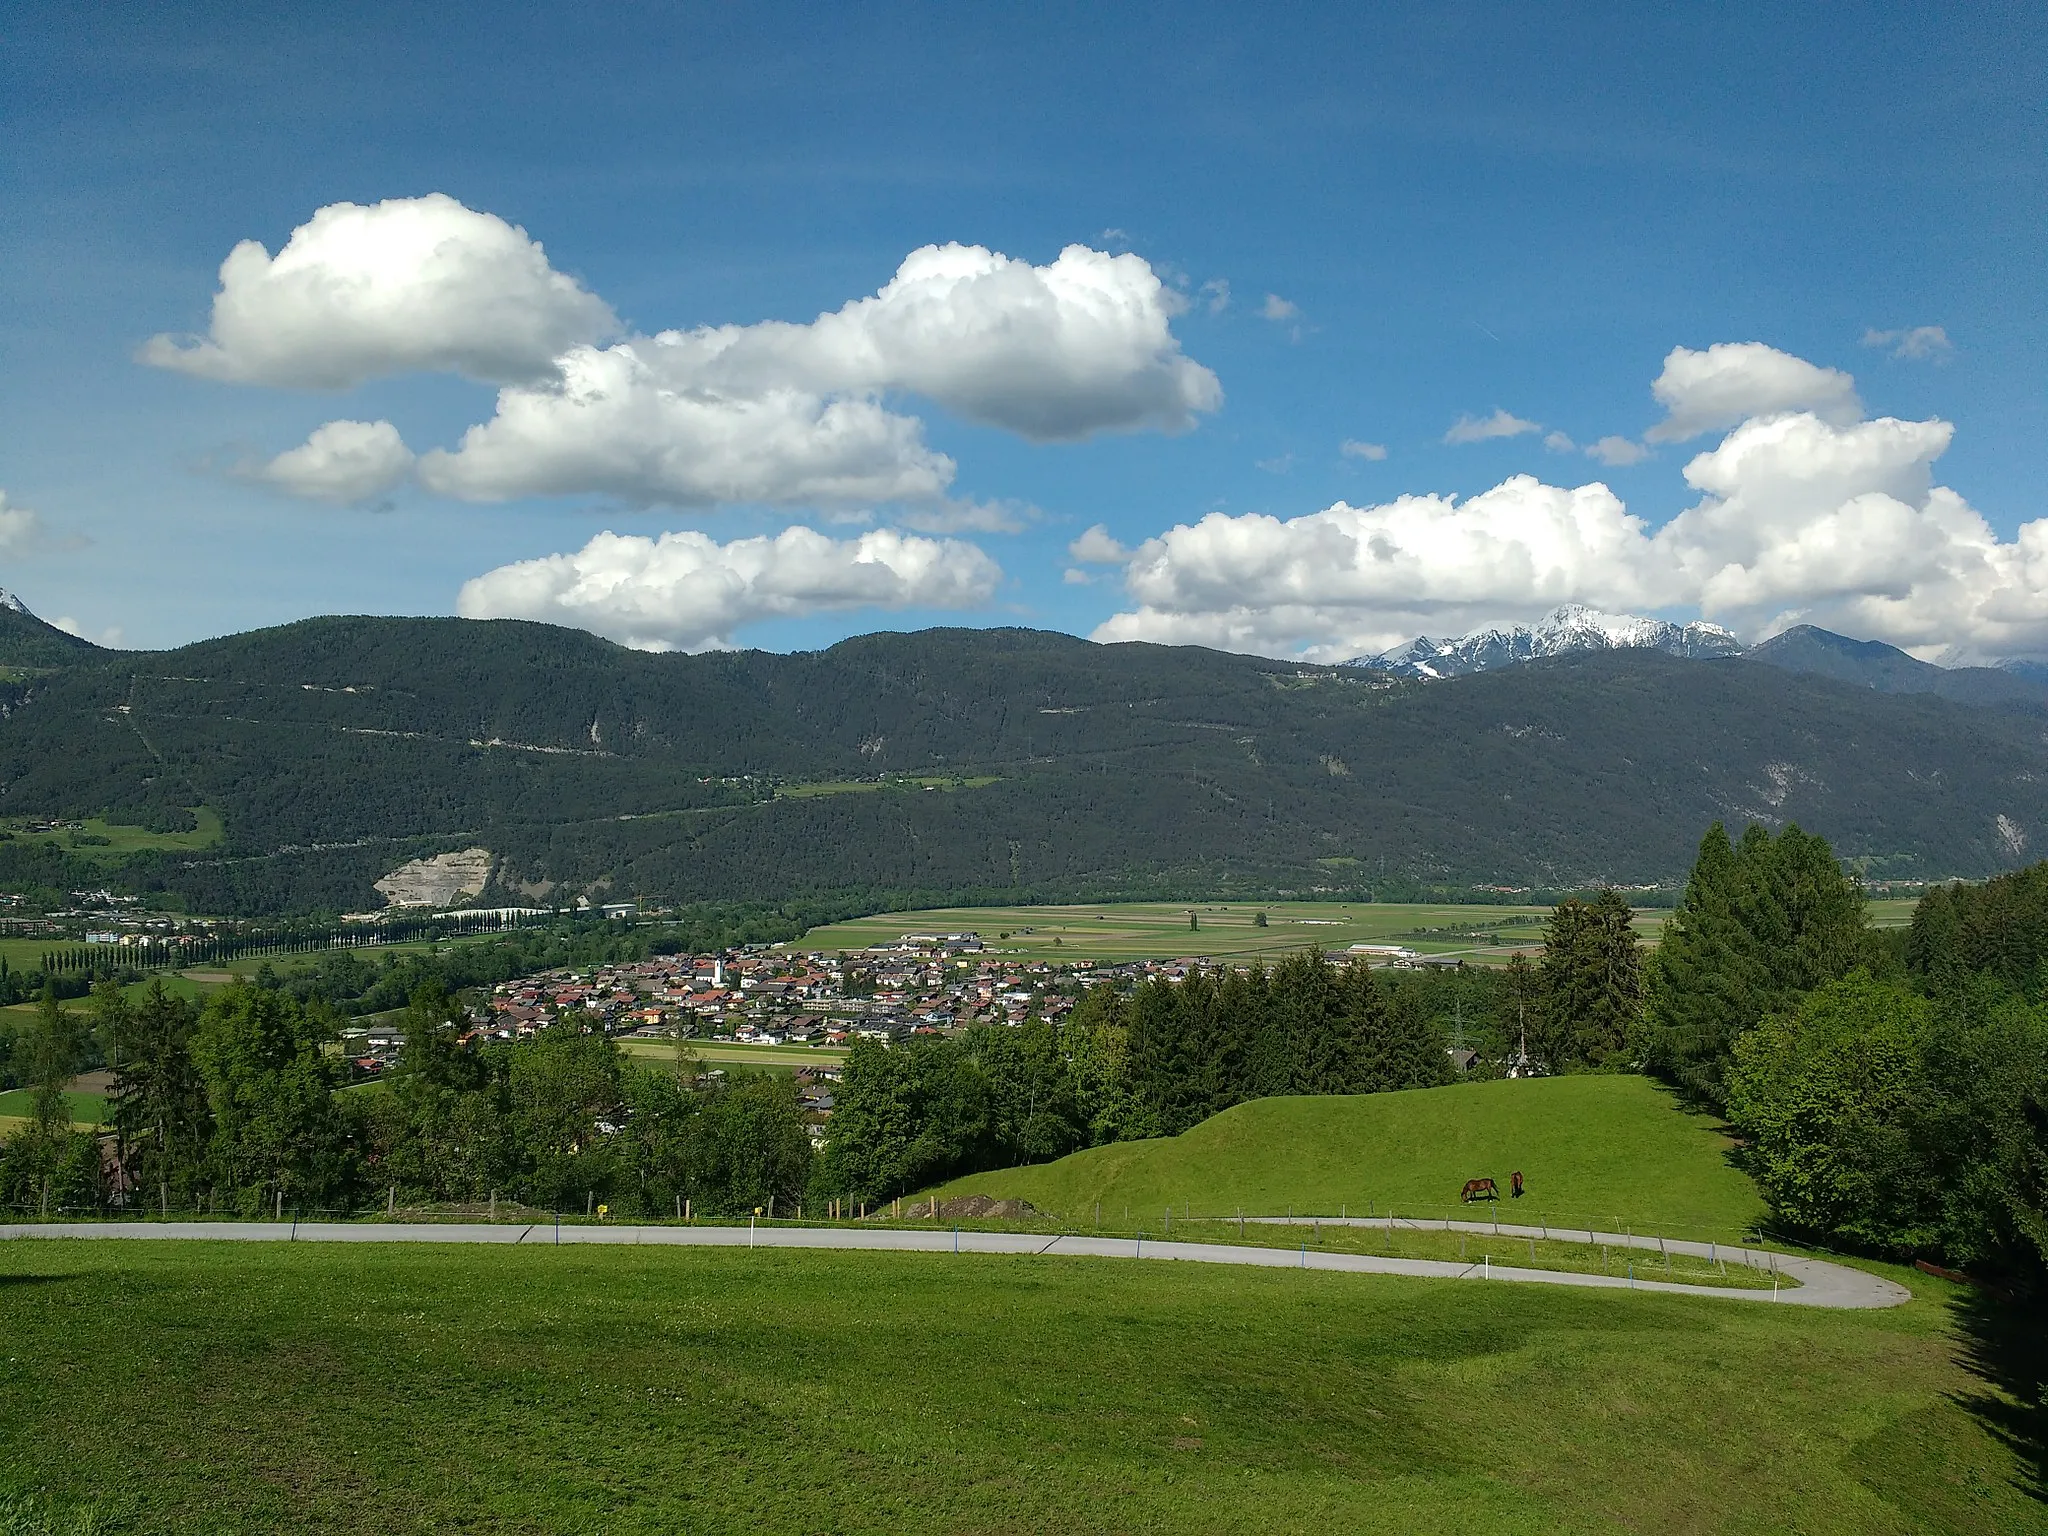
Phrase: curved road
(1821, 1284)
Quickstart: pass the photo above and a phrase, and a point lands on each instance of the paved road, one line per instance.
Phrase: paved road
(1821, 1284)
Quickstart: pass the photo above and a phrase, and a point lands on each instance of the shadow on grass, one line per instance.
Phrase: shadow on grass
(7, 1280)
(2005, 1346)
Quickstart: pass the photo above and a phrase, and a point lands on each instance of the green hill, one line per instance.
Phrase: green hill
(1606, 1151)
(966, 765)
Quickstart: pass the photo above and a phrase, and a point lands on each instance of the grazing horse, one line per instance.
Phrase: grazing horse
(1479, 1189)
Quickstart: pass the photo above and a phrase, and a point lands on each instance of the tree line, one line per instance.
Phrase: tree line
(1890, 1091)
(236, 1108)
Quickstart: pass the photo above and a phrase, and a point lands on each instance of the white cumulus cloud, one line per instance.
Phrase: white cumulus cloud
(1351, 579)
(1352, 448)
(1732, 381)
(1480, 429)
(343, 461)
(687, 591)
(1803, 517)
(411, 284)
(1063, 351)
(1923, 343)
(626, 421)
(772, 412)
(1096, 547)
(1279, 310)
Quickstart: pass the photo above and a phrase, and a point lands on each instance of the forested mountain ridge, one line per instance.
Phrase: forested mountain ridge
(27, 642)
(1886, 668)
(337, 748)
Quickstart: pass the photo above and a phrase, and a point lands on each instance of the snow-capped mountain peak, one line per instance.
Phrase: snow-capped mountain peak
(1571, 628)
(12, 603)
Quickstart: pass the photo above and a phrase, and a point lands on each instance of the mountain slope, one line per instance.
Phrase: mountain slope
(27, 642)
(336, 749)
(1886, 668)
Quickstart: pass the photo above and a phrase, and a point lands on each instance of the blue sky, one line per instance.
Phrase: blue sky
(1458, 211)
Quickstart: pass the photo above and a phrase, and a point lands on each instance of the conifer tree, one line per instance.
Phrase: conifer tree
(1312, 1010)
(1610, 1031)
(1760, 924)
(1399, 1047)
(1566, 978)
(161, 1120)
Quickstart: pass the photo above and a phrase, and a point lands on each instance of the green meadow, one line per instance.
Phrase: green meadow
(104, 840)
(188, 1387)
(1610, 1152)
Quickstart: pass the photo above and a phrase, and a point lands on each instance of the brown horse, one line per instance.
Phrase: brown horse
(1479, 1189)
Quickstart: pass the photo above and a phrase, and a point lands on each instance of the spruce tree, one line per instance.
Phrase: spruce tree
(1567, 978)
(1153, 1044)
(1267, 1062)
(1311, 1008)
(1610, 1030)
(1760, 924)
(1399, 1046)
(161, 1118)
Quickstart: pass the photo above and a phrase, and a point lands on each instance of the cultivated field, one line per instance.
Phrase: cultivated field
(186, 1387)
(1159, 930)
(1610, 1152)
(1148, 930)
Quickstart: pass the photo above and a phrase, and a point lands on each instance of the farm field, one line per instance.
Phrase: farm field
(389, 1388)
(720, 1054)
(17, 1109)
(1147, 930)
(1159, 930)
(1612, 1152)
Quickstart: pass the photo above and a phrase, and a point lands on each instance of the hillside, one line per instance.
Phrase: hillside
(1887, 669)
(955, 764)
(1612, 1151)
(27, 643)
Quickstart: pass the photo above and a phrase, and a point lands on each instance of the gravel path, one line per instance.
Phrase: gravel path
(1821, 1284)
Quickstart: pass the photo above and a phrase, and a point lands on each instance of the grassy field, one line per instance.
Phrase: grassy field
(105, 840)
(396, 1389)
(719, 1054)
(86, 1108)
(1611, 1152)
(1159, 930)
